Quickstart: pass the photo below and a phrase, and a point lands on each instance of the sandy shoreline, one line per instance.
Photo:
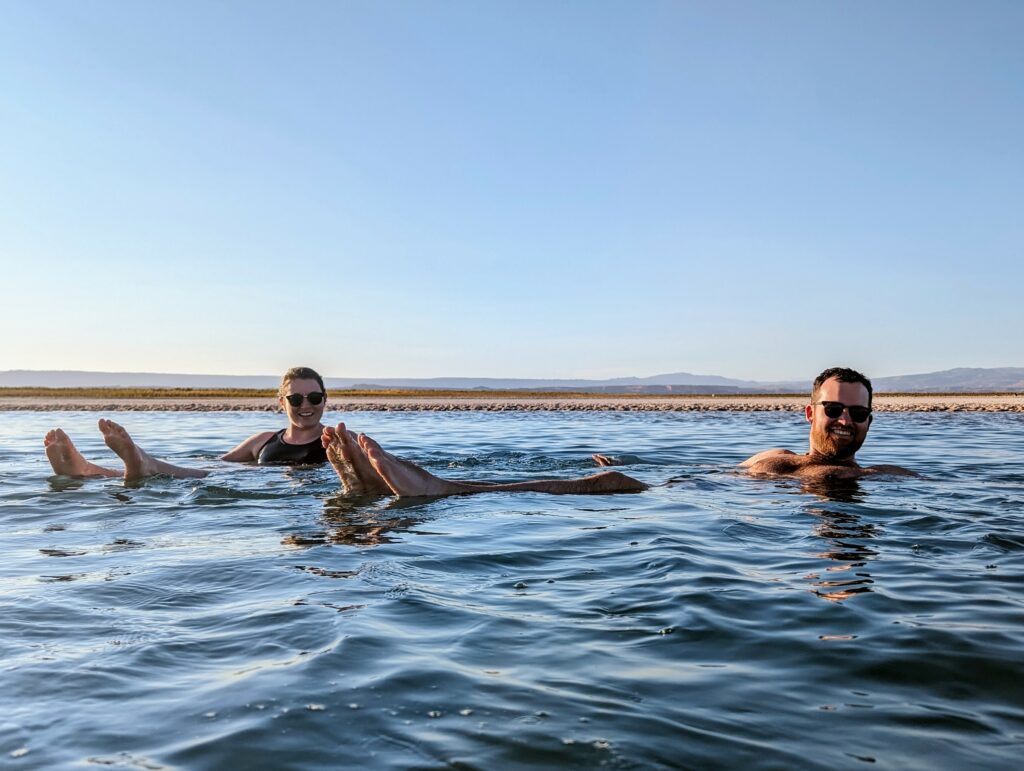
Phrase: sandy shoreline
(883, 403)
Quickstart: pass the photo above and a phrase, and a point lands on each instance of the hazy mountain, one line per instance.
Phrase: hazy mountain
(28, 378)
(78, 379)
(959, 379)
(683, 378)
(954, 380)
(468, 383)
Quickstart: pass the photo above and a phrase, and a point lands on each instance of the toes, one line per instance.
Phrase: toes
(329, 438)
(349, 444)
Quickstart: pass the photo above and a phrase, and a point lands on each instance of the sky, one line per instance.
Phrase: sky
(511, 189)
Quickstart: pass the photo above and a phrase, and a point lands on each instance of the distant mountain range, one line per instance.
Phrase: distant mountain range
(962, 379)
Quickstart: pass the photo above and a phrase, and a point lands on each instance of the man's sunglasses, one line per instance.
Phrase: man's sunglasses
(314, 398)
(834, 410)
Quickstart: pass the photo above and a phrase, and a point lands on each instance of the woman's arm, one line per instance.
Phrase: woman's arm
(249, 449)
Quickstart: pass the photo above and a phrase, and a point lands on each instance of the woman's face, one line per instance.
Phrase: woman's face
(305, 414)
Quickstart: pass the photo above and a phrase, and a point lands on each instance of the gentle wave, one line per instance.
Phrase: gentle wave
(257, 619)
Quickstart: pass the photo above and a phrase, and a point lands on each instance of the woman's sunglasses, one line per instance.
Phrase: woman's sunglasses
(858, 414)
(314, 398)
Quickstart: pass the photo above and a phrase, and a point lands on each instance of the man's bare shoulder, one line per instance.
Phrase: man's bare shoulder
(814, 470)
(762, 456)
(774, 462)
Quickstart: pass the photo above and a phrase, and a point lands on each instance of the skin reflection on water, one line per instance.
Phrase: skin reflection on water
(844, 534)
(355, 521)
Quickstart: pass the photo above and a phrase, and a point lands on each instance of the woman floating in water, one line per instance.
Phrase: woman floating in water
(362, 466)
(302, 396)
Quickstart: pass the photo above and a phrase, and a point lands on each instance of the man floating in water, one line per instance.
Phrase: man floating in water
(839, 414)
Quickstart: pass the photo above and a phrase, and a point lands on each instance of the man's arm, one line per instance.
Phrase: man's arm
(897, 471)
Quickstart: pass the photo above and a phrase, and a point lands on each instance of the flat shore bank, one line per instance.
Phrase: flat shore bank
(485, 403)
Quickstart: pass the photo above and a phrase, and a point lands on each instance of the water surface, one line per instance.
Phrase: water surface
(256, 619)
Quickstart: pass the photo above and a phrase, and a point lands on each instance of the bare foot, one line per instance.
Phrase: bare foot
(137, 462)
(357, 475)
(351, 484)
(404, 478)
(65, 458)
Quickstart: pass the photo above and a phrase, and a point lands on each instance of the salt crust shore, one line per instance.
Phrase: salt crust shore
(882, 403)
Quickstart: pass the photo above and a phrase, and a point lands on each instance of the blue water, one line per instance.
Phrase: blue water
(253, 619)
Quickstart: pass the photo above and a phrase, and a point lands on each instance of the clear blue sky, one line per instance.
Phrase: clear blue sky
(515, 189)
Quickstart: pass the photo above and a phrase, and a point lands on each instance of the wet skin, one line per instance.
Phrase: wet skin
(833, 441)
(363, 466)
(304, 426)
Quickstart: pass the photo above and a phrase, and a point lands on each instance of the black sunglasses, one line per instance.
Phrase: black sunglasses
(314, 398)
(858, 414)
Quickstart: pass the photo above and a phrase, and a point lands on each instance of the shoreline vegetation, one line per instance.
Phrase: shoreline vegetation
(225, 399)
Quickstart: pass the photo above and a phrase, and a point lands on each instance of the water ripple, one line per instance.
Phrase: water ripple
(255, 619)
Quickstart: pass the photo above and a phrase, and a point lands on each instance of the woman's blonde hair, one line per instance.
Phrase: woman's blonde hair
(300, 373)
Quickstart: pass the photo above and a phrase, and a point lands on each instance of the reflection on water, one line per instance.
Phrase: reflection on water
(844, 534)
(255, 619)
(835, 490)
(360, 521)
(60, 484)
(353, 522)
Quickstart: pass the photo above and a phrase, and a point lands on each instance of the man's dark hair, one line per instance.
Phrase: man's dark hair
(300, 373)
(843, 375)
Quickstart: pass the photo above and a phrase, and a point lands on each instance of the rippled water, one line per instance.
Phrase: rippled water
(253, 619)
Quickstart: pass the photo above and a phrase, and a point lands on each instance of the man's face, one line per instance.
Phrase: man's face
(841, 437)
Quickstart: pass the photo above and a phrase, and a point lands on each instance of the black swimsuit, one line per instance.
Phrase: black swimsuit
(277, 450)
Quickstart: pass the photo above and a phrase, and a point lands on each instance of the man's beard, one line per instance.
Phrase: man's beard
(824, 443)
